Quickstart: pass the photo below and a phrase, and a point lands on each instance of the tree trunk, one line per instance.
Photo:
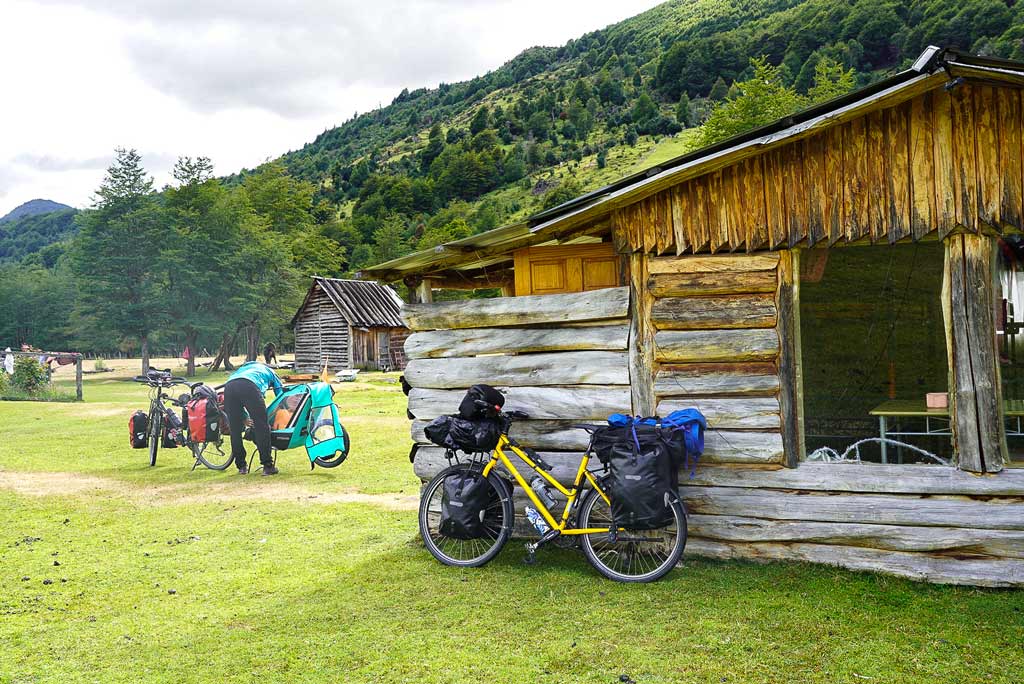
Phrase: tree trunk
(145, 354)
(252, 340)
(190, 344)
(224, 353)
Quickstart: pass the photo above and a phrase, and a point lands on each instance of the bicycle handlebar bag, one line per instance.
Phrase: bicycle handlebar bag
(481, 401)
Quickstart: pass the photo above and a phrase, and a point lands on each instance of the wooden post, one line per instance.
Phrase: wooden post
(788, 328)
(424, 292)
(641, 338)
(78, 378)
(979, 435)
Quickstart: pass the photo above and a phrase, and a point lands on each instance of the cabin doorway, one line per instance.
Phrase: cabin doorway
(873, 349)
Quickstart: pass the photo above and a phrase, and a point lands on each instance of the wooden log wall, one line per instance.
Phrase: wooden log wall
(926, 165)
(321, 333)
(563, 359)
(717, 348)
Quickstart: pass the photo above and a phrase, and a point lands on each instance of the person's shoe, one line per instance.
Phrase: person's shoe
(244, 470)
(270, 470)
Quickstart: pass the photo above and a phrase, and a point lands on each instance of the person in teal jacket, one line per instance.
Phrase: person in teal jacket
(243, 392)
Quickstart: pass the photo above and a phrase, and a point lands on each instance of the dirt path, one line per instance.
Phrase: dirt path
(73, 484)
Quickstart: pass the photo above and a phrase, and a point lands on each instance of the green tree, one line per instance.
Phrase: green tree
(719, 90)
(116, 257)
(763, 99)
(481, 120)
(831, 80)
(568, 189)
(202, 256)
(644, 110)
(684, 115)
(390, 240)
(285, 202)
(434, 148)
(453, 230)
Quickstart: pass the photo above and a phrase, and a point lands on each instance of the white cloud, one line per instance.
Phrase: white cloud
(237, 80)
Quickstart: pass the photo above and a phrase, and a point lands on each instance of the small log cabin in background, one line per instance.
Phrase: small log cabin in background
(804, 285)
(349, 324)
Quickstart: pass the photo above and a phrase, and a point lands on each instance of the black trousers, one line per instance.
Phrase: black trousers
(241, 395)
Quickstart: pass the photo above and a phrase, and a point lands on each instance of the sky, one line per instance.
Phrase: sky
(239, 81)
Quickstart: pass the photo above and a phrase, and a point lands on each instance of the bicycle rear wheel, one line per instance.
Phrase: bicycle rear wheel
(156, 425)
(497, 521)
(211, 454)
(339, 457)
(636, 555)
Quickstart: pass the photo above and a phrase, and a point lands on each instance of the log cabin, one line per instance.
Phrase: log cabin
(349, 324)
(838, 292)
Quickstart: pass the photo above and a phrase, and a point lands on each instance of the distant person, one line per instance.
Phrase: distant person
(243, 392)
(8, 361)
(270, 353)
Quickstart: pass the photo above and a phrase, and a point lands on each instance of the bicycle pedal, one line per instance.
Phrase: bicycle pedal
(531, 554)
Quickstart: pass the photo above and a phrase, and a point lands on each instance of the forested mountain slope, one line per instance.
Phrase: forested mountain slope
(37, 236)
(554, 121)
(31, 208)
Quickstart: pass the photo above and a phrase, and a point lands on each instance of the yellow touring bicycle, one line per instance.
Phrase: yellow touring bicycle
(617, 553)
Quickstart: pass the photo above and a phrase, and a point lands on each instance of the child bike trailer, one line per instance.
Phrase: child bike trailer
(305, 415)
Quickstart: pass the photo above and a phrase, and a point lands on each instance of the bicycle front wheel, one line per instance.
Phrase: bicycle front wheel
(634, 555)
(211, 455)
(497, 520)
(156, 424)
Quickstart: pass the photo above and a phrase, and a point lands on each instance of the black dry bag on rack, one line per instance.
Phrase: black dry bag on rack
(138, 430)
(467, 499)
(642, 477)
(481, 401)
(458, 434)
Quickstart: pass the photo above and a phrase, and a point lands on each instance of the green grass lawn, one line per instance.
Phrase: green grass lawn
(111, 571)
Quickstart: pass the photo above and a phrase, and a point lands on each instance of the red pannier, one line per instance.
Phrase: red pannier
(204, 418)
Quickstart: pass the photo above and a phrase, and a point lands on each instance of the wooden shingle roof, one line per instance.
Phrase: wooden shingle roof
(363, 303)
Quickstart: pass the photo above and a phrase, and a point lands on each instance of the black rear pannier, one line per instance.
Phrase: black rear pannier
(468, 505)
(470, 436)
(138, 430)
(481, 401)
(643, 476)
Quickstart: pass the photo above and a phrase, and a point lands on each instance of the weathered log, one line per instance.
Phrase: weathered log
(683, 346)
(541, 403)
(950, 511)
(725, 446)
(953, 541)
(715, 312)
(746, 413)
(724, 282)
(562, 368)
(728, 263)
(717, 379)
(595, 305)
(641, 339)
(790, 386)
(476, 341)
(916, 566)
(551, 435)
(869, 478)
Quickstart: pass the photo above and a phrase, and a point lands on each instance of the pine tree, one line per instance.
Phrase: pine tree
(481, 120)
(719, 90)
(434, 148)
(115, 258)
(683, 113)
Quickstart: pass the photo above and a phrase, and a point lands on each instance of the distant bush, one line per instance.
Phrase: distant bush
(5, 382)
(99, 366)
(29, 375)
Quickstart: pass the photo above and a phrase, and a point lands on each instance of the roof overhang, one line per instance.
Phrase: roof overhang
(934, 68)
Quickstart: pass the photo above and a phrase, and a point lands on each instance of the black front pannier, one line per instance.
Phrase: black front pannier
(642, 475)
(138, 430)
(468, 504)
(470, 436)
(481, 401)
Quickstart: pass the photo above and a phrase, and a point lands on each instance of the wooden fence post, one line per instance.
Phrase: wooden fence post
(78, 378)
(976, 405)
